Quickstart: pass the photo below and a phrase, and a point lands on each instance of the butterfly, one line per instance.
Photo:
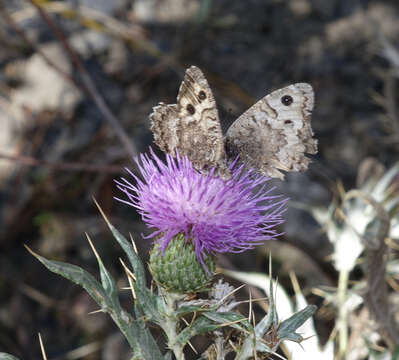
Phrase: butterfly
(272, 135)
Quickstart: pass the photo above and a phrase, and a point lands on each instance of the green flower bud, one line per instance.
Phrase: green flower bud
(177, 269)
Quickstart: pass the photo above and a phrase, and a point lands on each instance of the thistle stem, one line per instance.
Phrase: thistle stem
(171, 326)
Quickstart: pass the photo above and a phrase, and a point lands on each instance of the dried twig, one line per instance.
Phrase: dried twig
(50, 62)
(66, 166)
(88, 83)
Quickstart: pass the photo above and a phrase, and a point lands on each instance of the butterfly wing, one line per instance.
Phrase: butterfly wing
(191, 126)
(275, 133)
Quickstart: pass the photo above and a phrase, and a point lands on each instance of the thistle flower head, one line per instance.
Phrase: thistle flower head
(217, 215)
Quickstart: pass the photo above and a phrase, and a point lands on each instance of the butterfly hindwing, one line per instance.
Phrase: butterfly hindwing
(275, 133)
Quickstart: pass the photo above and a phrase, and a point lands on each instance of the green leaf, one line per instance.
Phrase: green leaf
(252, 341)
(145, 299)
(107, 280)
(138, 336)
(127, 247)
(262, 347)
(5, 356)
(202, 325)
(149, 304)
(289, 325)
(146, 346)
(229, 317)
(77, 275)
(293, 337)
(285, 304)
(264, 324)
(272, 316)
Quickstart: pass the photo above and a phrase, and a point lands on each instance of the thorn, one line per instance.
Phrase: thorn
(270, 265)
(42, 347)
(192, 347)
(130, 278)
(31, 251)
(232, 345)
(92, 246)
(95, 312)
(102, 212)
(133, 243)
(250, 306)
(253, 300)
(126, 288)
(307, 338)
(295, 284)
(128, 270)
(279, 356)
(194, 317)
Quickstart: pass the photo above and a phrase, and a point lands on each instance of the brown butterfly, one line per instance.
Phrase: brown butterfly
(272, 135)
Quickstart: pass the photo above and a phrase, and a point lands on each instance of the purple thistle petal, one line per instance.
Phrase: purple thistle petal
(217, 215)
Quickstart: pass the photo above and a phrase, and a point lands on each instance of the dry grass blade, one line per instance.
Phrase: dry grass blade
(42, 347)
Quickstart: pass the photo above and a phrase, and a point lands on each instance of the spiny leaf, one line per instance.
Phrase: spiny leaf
(138, 336)
(149, 304)
(127, 247)
(229, 317)
(264, 324)
(289, 325)
(107, 280)
(148, 348)
(293, 337)
(77, 275)
(262, 347)
(202, 325)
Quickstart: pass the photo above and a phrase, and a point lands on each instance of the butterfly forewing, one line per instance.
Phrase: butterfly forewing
(191, 126)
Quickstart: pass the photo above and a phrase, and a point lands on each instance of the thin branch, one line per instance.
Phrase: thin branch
(66, 166)
(37, 49)
(87, 81)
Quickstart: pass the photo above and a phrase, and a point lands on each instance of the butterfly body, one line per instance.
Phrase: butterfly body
(273, 135)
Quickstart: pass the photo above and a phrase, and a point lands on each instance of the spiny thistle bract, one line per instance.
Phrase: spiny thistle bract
(177, 269)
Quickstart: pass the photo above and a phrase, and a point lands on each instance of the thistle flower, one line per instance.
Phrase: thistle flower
(216, 215)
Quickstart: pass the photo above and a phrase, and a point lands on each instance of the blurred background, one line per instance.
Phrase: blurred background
(78, 79)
